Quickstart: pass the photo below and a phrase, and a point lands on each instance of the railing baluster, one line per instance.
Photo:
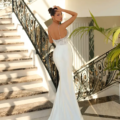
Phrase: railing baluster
(96, 79)
(37, 35)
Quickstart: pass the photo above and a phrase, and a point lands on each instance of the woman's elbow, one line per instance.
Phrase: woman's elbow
(76, 14)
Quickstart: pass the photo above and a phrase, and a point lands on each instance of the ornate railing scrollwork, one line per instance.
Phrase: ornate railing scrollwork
(88, 80)
(38, 37)
(93, 77)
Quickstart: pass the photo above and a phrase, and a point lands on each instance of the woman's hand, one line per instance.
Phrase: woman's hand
(58, 8)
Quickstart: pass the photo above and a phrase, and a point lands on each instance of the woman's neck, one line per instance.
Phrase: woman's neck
(56, 22)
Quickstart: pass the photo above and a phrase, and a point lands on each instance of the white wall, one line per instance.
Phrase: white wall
(41, 8)
(80, 46)
(97, 7)
(82, 7)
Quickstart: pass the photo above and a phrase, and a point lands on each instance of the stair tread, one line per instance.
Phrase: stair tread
(7, 36)
(32, 115)
(15, 43)
(21, 79)
(18, 109)
(10, 37)
(16, 68)
(22, 93)
(7, 18)
(9, 51)
(6, 23)
(28, 97)
(15, 59)
(8, 29)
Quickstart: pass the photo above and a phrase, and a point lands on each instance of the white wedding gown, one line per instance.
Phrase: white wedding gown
(65, 105)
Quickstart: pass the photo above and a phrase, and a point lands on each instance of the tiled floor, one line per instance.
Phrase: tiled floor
(106, 108)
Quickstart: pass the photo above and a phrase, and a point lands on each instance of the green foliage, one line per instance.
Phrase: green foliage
(115, 36)
(113, 58)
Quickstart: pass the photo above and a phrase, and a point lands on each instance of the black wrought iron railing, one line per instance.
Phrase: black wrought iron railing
(88, 80)
(93, 77)
(38, 37)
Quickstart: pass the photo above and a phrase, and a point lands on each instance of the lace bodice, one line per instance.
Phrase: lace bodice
(61, 41)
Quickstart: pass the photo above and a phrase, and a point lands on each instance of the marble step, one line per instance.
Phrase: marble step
(15, 59)
(11, 32)
(12, 46)
(10, 39)
(17, 72)
(22, 79)
(5, 10)
(41, 114)
(7, 36)
(2, 69)
(22, 93)
(13, 54)
(5, 20)
(6, 23)
(5, 16)
(14, 63)
(24, 105)
(8, 26)
(17, 43)
(21, 86)
(12, 51)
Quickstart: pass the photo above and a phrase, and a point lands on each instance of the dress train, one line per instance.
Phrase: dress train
(65, 106)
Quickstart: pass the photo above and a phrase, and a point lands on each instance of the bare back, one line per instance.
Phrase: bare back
(57, 31)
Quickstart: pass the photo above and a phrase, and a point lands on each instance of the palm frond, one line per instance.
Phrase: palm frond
(78, 30)
(115, 37)
(110, 32)
(94, 20)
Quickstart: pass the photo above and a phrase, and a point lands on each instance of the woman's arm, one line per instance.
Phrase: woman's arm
(70, 12)
(69, 21)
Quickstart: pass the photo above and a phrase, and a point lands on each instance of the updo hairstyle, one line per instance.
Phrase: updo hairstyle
(52, 11)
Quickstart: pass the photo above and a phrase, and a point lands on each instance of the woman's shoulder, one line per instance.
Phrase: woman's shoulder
(50, 27)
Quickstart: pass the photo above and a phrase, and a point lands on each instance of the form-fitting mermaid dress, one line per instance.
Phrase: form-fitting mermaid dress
(65, 106)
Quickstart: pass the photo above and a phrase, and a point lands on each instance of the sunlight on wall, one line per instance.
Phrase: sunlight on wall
(40, 8)
(61, 3)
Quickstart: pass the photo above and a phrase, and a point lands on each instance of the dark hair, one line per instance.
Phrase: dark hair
(52, 11)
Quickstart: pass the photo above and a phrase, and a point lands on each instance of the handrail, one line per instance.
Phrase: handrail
(38, 37)
(93, 77)
(92, 60)
(90, 79)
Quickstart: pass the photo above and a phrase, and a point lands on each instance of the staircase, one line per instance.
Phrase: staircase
(22, 94)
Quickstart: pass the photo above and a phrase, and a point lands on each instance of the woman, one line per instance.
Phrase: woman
(65, 104)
